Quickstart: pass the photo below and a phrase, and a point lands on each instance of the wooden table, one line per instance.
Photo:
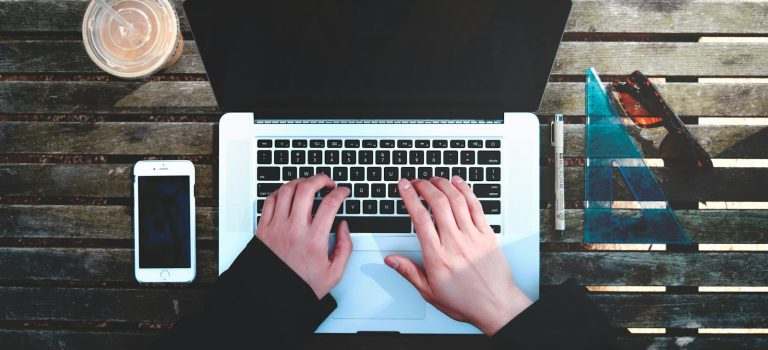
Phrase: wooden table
(69, 135)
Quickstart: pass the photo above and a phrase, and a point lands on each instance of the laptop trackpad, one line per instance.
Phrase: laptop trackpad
(372, 290)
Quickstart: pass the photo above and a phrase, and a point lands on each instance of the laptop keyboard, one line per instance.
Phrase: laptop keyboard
(370, 168)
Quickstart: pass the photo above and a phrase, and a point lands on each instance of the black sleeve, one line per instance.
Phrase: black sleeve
(564, 318)
(258, 303)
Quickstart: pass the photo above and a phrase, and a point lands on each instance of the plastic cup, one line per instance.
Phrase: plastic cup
(152, 42)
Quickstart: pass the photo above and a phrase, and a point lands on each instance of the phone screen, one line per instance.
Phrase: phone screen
(164, 222)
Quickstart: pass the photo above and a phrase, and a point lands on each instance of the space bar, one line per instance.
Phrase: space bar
(375, 224)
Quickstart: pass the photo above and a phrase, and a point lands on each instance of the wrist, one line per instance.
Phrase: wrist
(512, 305)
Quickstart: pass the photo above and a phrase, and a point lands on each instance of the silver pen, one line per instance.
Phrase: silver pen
(557, 142)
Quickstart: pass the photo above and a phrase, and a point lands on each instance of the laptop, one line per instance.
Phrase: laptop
(367, 92)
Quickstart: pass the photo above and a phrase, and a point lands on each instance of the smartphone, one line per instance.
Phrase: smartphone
(164, 221)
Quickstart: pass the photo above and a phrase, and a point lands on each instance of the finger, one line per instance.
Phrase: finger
(285, 199)
(342, 250)
(422, 221)
(323, 220)
(406, 268)
(457, 202)
(441, 210)
(475, 208)
(268, 209)
(305, 193)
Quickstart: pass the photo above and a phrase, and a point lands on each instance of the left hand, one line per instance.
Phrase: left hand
(301, 241)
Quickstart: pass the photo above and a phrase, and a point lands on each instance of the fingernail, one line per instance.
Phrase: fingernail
(406, 185)
(457, 179)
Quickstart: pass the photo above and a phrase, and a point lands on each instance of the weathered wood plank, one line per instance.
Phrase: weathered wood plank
(720, 141)
(158, 305)
(670, 59)
(85, 222)
(708, 17)
(660, 16)
(654, 268)
(119, 97)
(91, 180)
(723, 184)
(69, 56)
(699, 342)
(85, 264)
(106, 138)
(703, 226)
(43, 339)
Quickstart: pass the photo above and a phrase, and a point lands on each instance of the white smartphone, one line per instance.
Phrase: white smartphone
(164, 221)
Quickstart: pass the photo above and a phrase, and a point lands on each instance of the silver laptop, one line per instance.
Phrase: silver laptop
(368, 92)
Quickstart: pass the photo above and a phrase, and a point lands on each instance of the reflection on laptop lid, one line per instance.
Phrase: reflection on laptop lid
(378, 58)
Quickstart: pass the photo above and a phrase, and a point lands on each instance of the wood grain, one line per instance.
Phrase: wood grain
(90, 180)
(196, 97)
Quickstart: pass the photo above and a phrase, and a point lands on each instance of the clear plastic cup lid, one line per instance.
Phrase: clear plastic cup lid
(134, 51)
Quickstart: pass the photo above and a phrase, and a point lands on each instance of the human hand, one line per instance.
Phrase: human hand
(301, 241)
(465, 274)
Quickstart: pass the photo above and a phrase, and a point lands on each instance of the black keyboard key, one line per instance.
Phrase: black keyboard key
(460, 172)
(299, 143)
(282, 143)
(433, 157)
(324, 192)
(375, 224)
(391, 174)
(352, 143)
(378, 190)
(399, 157)
(493, 174)
(264, 157)
(496, 228)
(393, 192)
(382, 157)
(422, 143)
(439, 143)
(386, 207)
(369, 207)
(315, 205)
(387, 143)
(458, 143)
(488, 157)
(306, 171)
(260, 205)
(348, 157)
(425, 173)
(491, 207)
(352, 206)
(315, 157)
(267, 173)
(450, 157)
(264, 143)
(361, 191)
(317, 143)
(475, 174)
(334, 143)
(492, 143)
(374, 174)
(340, 173)
(401, 209)
(365, 157)
(408, 172)
(487, 190)
(370, 144)
(416, 157)
(290, 173)
(331, 157)
(443, 172)
(357, 173)
(467, 157)
(281, 157)
(298, 157)
(263, 189)
(475, 143)
(323, 170)
(404, 143)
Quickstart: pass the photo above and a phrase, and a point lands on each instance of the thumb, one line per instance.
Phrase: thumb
(342, 250)
(410, 272)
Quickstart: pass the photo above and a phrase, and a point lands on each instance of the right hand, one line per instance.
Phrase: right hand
(466, 275)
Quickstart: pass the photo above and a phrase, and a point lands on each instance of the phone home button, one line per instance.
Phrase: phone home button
(164, 275)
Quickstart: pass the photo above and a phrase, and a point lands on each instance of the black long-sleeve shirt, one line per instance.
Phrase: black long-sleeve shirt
(260, 303)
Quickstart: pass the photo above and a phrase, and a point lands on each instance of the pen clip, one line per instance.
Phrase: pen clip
(552, 132)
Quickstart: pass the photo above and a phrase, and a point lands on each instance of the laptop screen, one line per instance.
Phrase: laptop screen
(378, 58)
